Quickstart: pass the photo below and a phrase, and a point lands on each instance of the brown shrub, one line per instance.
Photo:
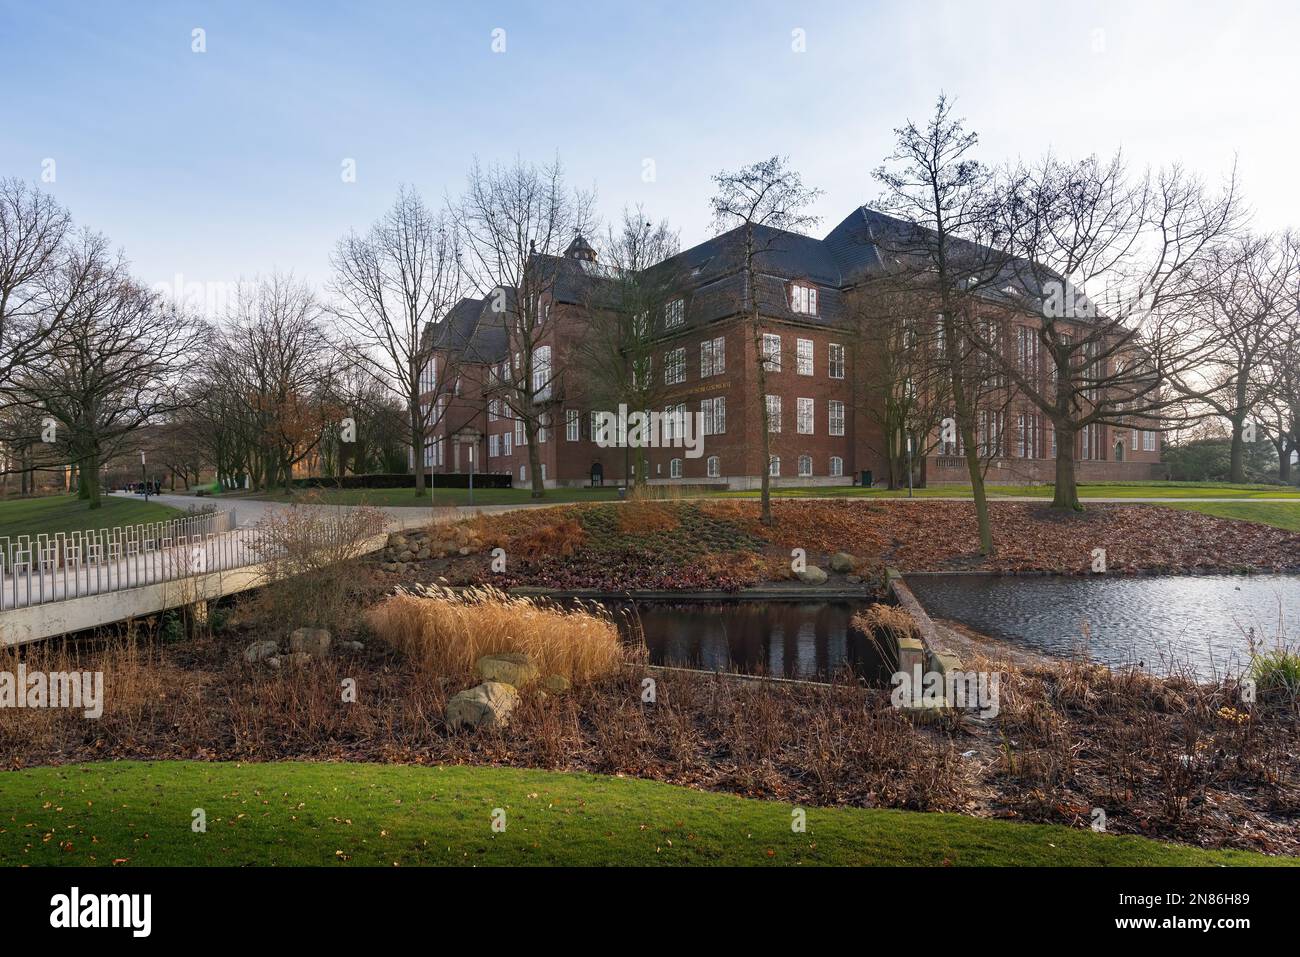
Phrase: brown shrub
(447, 632)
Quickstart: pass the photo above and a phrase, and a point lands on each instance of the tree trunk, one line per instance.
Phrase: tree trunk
(1066, 495)
(417, 450)
(764, 466)
(534, 457)
(88, 488)
(1237, 470)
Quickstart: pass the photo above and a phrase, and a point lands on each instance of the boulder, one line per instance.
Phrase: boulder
(812, 575)
(311, 641)
(396, 540)
(298, 658)
(350, 646)
(842, 562)
(261, 650)
(273, 662)
(484, 706)
(510, 667)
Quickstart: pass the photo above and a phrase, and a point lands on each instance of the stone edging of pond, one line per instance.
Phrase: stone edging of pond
(801, 593)
(929, 653)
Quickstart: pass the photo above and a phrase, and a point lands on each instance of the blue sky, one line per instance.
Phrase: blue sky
(227, 163)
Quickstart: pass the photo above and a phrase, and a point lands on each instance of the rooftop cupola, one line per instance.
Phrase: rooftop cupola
(580, 249)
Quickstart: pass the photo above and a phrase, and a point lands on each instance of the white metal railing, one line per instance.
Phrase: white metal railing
(43, 568)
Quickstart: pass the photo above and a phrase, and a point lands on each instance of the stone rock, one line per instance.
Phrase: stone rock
(391, 567)
(261, 650)
(842, 562)
(273, 662)
(853, 579)
(509, 667)
(556, 684)
(311, 641)
(298, 658)
(812, 575)
(484, 706)
(351, 646)
(396, 540)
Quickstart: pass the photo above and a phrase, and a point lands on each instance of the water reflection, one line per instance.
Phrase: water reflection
(784, 638)
(1171, 622)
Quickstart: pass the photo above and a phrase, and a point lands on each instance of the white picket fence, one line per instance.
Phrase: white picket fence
(45, 568)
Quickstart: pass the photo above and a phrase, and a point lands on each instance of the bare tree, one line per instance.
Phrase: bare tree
(1114, 265)
(113, 362)
(764, 200)
(390, 284)
(514, 223)
(280, 364)
(613, 353)
(951, 254)
(33, 228)
(1249, 299)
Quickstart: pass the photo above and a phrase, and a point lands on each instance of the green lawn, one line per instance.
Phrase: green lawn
(1280, 514)
(363, 814)
(1171, 490)
(392, 497)
(67, 513)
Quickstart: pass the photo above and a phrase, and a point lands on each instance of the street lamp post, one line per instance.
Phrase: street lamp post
(471, 474)
(909, 464)
(144, 482)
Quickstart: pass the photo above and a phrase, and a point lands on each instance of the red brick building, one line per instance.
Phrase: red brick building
(703, 353)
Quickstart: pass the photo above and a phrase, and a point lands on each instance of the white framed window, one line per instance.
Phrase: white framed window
(543, 423)
(1053, 434)
(803, 299)
(774, 466)
(805, 466)
(542, 372)
(675, 366)
(713, 357)
(521, 437)
(835, 417)
(675, 468)
(803, 360)
(714, 413)
(572, 424)
(772, 351)
(1148, 441)
(1133, 441)
(494, 446)
(523, 473)
(593, 425)
(543, 471)
(674, 313)
(1026, 443)
(429, 376)
(773, 413)
(506, 447)
(836, 352)
(674, 422)
(804, 416)
(837, 466)
(713, 466)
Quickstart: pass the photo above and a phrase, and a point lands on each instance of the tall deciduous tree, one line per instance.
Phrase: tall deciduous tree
(952, 254)
(764, 200)
(514, 223)
(389, 284)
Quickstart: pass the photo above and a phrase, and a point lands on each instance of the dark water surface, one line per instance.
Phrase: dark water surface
(790, 639)
(1167, 622)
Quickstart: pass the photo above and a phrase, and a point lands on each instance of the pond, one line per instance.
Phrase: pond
(1176, 622)
(790, 639)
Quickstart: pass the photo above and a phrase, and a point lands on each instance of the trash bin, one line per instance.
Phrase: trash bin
(866, 478)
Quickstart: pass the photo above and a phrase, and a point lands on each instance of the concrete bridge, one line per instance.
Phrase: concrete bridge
(59, 584)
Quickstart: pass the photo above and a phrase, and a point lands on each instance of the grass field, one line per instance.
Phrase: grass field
(67, 513)
(133, 814)
(1279, 514)
(390, 498)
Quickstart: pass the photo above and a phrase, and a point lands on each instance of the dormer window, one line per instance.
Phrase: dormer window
(674, 313)
(803, 299)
